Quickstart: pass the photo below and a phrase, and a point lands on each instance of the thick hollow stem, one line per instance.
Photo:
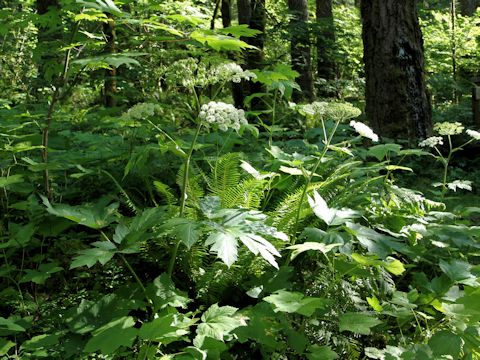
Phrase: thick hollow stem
(184, 194)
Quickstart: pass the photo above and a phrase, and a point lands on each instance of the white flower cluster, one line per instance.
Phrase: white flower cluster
(474, 134)
(431, 141)
(222, 116)
(142, 111)
(364, 130)
(186, 72)
(448, 128)
(232, 72)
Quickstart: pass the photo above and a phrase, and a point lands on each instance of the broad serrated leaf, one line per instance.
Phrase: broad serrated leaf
(8, 326)
(42, 274)
(165, 294)
(306, 246)
(186, 230)
(10, 180)
(295, 302)
(94, 216)
(317, 352)
(219, 42)
(241, 30)
(40, 341)
(224, 245)
(459, 271)
(358, 323)
(218, 321)
(102, 253)
(446, 343)
(382, 150)
(110, 337)
(162, 330)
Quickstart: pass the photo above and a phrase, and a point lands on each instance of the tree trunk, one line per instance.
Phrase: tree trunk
(325, 43)
(226, 11)
(397, 104)
(110, 82)
(468, 7)
(252, 13)
(300, 49)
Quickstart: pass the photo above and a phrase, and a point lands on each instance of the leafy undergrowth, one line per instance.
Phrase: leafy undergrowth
(220, 245)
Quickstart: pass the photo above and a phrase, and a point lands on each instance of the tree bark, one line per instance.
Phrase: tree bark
(252, 13)
(397, 104)
(300, 49)
(468, 7)
(326, 68)
(226, 11)
(110, 82)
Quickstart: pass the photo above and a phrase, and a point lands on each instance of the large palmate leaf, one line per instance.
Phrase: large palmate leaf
(295, 302)
(459, 271)
(164, 293)
(10, 180)
(110, 337)
(186, 230)
(329, 215)
(102, 252)
(165, 329)
(95, 216)
(219, 321)
(42, 274)
(102, 5)
(359, 323)
(219, 42)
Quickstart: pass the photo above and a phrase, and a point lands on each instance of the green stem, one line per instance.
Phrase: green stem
(184, 194)
(309, 180)
(130, 268)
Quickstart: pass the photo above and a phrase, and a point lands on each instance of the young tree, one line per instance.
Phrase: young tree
(300, 49)
(325, 42)
(397, 104)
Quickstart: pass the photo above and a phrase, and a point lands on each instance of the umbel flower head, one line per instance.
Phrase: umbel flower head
(473, 134)
(233, 72)
(142, 111)
(431, 141)
(448, 128)
(364, 130)
(219, 115)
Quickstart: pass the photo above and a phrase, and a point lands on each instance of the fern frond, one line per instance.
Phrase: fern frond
(165, 192)
(248, 194)
(225, 174)
(128, 200)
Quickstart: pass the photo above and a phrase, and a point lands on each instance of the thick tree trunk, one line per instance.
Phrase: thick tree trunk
(300, 49)
(226, 10)
(468, 7)
(252, 13)
(325, 43)
(397, 104)
(110, 83)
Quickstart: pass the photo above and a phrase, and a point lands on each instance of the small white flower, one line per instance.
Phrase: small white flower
(448, 128)
(364, 130)
(431, 142)
(474, 134)
(222, 116)
(142, 111)
(232, 72)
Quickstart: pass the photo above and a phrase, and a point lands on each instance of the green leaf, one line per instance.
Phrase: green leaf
(42, 274)
(110, 337)
(396, 167)
(238, 31)
(318, 352)
(224, 245)
(162, 330)
(40, 341)
(330, 216)
(219, 42)
(446, 343)
(358, 323)
(94, 216)
(102, 253)
(218, 321)
(295, 302)
(382, 150)
(102, 5)
(5, 346)
(459, 271)
(165, 294)
(306, 246)
(393, 266)
(8, 326)
(185, 230)
(374, 303)
(10, 180)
